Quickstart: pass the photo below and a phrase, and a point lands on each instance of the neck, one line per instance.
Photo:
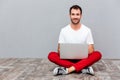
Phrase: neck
(75, 27)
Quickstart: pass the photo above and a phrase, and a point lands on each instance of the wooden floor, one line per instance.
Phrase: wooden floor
(41, 69)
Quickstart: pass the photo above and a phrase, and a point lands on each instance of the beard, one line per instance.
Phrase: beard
(75, 21)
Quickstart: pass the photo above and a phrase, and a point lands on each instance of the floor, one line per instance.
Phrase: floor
(41, 69)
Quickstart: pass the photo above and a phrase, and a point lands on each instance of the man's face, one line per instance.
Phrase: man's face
(75, 16)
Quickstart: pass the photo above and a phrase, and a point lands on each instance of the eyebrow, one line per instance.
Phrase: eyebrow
(76, 13)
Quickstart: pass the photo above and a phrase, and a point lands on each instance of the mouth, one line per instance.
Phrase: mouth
(75, 19)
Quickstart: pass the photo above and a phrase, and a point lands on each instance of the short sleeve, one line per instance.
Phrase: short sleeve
(90, 38)
(61, 37)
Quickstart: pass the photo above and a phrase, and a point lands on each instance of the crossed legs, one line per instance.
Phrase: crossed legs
(75, 65)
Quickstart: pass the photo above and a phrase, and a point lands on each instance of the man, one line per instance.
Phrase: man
(75, 32)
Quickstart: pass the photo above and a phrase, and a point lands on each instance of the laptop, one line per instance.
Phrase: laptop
(73, 51)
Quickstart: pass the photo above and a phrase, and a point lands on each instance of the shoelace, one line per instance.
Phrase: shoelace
(86, 70)
(61, 71)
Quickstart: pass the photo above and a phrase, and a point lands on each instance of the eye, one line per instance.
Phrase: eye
(72, 14)
(77, 14)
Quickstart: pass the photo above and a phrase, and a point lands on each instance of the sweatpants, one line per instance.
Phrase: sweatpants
(78, 64)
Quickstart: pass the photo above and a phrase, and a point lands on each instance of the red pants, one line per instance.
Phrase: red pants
(78, 64)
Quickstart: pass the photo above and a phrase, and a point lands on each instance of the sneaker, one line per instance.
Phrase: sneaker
(88, 70)
(60, 71)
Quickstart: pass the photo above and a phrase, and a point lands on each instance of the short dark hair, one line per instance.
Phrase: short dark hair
(75, 7)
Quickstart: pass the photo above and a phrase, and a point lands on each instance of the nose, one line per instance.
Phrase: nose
(75, 16)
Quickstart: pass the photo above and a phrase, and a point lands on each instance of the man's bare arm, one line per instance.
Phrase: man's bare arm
(58, 48)
(90, 48)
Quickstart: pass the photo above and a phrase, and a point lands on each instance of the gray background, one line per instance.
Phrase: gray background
(30, 28)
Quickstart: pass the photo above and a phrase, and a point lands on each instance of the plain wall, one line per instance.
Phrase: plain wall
(30, 28)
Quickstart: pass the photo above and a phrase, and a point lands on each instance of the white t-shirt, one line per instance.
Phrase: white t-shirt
(83, 35)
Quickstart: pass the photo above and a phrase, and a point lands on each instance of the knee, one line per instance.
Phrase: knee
(51, 55)
(98, 54)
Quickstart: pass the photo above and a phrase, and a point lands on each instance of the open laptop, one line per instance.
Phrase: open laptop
(73, 51)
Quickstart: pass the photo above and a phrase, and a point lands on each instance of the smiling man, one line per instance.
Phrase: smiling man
(75, 32)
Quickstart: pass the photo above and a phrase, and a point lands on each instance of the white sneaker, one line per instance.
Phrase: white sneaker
(60, 71)
(88, 70)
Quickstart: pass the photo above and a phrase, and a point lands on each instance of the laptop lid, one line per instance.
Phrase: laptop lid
(73, 51)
